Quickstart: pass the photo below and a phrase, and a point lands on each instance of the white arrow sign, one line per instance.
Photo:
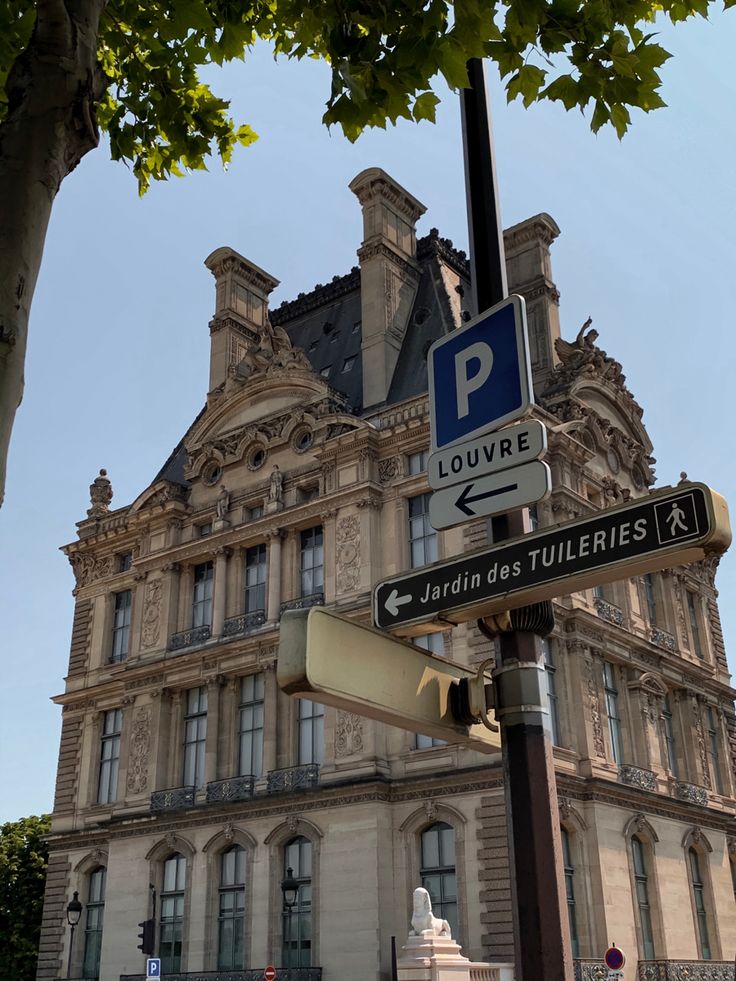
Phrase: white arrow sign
(492, 494)
(394, 601)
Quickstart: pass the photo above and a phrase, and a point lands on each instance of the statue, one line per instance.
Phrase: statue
(223, 503)
(423, 921)
(276, 490)
(100, 495)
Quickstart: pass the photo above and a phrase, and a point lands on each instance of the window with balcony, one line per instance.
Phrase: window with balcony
(296, 945)
(231, 910)
(94, 915)
(438, 872)
(121, 625)
(612, 710)
(202, 595)
(422, 536)
(255, 579)
(172, 913)
(107, 784)
(569, 871)
(250, 728)
(311, 737)
(312, 561)
(550, 670)
(195, 737)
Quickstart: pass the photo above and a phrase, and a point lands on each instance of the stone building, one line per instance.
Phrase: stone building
(183, 770)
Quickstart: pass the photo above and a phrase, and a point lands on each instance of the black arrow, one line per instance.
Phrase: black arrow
(465, 498)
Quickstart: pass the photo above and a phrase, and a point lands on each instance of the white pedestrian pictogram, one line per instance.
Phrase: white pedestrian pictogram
(674, 519)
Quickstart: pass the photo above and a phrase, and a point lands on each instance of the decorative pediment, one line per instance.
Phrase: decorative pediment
(160, 494)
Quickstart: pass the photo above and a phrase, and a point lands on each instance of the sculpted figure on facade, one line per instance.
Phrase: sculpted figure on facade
(276, 488)
(423, 921)
(223, 503)
(151, 613)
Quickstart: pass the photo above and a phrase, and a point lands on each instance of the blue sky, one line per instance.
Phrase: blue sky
(118, 356)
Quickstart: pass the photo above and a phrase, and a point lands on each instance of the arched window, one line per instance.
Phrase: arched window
(297, 922)
(701, 915)
(570, 891)
(172, 913)
(95, 910)
(231, 915)
(438, 872)
(641, 885)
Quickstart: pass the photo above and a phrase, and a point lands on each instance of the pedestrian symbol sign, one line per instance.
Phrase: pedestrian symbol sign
(676, 521)
(153, 967)
(480, 375)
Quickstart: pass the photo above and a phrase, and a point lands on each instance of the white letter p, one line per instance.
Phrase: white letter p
(466, 383)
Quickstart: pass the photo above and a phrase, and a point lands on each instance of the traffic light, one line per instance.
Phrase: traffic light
(147, 937)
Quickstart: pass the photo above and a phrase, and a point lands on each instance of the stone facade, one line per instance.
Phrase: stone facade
(301, 483)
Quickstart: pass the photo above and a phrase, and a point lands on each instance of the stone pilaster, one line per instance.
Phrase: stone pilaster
(273, 600)
(219, 597)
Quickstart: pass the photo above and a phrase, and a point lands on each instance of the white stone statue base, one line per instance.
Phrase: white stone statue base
(427, 957)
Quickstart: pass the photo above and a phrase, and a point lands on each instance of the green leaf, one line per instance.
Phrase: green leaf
(425, 106)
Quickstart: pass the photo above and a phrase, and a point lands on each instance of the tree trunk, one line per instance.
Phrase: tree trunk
(52, 91)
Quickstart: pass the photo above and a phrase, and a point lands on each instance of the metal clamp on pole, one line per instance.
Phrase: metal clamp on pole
(536, 618)
(521, 694)
(471, 699)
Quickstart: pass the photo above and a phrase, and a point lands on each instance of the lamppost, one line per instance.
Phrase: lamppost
(73, 915)
(290, 891)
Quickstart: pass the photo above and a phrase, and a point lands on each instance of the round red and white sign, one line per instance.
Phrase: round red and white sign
(270, 973)
(614, 958)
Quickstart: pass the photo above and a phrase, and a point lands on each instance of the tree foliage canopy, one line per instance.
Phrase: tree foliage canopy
(385, 56)
(23, 860)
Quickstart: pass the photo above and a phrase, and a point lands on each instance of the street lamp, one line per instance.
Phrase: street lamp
(73, 915)
(290, 889)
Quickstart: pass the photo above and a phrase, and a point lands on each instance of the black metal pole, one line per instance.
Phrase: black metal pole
(394, 964)
(535, 848)
(71, 947)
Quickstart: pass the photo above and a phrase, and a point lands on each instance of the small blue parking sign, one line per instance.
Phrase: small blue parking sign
(153, 967)
(480, 375)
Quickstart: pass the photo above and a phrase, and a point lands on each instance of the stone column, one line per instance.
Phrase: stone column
(173, 763)
(220, 591)
(270, 718)
(214, 686)
(138, 598)
(290, 588)
(402, 556)
(273, 600)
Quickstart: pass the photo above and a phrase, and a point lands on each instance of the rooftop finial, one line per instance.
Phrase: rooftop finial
(100, 495)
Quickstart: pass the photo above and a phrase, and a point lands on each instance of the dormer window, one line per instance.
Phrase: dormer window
(348, 364)
(325, 372)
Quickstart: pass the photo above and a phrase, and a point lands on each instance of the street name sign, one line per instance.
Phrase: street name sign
(667, 528)
(338, 662)
(505, 448)
(480, 375)
(494, 494)
(153, 967)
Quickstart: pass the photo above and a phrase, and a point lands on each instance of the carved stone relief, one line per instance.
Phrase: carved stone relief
(151, 613)
(389, 470)
(88, 568)
(140, 744)
(348, 734)
(348, 553)
(702, 749)
(594, 707)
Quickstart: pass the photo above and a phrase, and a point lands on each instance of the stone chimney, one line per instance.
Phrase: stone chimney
(529, 272)
(241, 310)
(389, 275)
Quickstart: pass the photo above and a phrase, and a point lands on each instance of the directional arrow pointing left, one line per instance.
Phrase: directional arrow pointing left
(466, 498)
(394, 601)
(490, 494)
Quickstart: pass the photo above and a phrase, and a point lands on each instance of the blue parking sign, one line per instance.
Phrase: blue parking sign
(153, 967)
(480, 375)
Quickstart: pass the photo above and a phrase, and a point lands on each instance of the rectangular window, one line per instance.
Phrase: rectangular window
(255, 579)
(107, 786)
(312, 561)
(95, 914)
(416, 463)
(250, 729)
(699, 900)
(202, 596)
(121, 625)
(311, 732)
(570, 891)
(422, 536)
(550, 669)
(651, 599)
(204, 529)
(172, 914)
(195, 737)
(255, 512)
(614, 720)
(669, 738)
(436, 644)
(692, 612)
(715, 763)
(125, 561)
(641, 883)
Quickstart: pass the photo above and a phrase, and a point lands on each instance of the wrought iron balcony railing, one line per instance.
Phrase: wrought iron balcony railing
(686, 970)
(236, 788)
(190, 638)
(252, 974)
(241, 624)
(691, 793)
(304, 602)
(174, 799)
(585, 969)
(293, 778)
(662, 639)
(635, 776)
(607, 611)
